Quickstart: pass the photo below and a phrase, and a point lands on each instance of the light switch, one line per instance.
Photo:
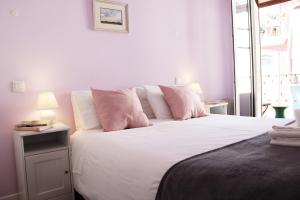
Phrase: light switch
(178, 81)
(18, 86)
(14, 13)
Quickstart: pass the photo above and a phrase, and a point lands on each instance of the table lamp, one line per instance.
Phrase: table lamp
(46, 104)
(196, 88)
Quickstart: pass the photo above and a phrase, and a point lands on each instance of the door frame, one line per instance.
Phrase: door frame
(256, 59)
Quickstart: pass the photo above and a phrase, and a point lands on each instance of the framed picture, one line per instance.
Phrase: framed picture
(110, 16)
(265, 3)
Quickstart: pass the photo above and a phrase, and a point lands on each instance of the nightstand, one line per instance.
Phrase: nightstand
(43, 164)
(216, 107)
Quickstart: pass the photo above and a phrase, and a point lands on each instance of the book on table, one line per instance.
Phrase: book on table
(33, 128)
(37, 126)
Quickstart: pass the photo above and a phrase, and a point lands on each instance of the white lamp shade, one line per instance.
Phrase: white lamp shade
(46, 101)
(195, 87)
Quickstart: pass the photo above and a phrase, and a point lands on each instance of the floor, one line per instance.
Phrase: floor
(78, 196)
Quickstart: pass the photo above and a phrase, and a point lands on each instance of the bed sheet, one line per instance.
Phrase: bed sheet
(129, 164)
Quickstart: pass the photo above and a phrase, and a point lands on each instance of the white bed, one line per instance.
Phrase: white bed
(129, 164)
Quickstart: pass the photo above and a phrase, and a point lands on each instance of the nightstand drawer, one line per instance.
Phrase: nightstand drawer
(46, 142)
(48, 175)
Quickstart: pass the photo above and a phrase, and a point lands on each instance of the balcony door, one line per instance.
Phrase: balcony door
(247, 58)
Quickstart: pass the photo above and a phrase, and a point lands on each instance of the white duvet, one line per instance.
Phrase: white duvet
(129, 164)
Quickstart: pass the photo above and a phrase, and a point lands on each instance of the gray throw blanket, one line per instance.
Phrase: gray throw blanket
(249, 170)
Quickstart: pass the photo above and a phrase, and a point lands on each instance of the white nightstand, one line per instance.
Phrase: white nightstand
(43, 164)
(216, 107)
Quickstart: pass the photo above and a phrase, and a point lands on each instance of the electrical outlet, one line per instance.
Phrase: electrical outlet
(18, 86)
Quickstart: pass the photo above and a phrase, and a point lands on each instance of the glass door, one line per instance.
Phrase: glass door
(280, 59)
(246, 52)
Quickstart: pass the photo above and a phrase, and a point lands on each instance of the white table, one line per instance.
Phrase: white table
(216, 107)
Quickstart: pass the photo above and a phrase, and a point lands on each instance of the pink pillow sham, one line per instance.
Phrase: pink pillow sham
(183, 102)
(119, 109)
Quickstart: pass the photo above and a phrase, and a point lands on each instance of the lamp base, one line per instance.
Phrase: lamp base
(47, 116)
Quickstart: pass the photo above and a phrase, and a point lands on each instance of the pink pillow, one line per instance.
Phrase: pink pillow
(183, 102)
(120, 109)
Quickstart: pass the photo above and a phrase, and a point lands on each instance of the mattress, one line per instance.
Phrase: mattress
(129, 164)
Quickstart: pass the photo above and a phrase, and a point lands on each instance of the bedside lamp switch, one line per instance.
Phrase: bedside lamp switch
(18, 86)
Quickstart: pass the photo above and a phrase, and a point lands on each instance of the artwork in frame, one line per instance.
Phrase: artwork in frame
(110, 16)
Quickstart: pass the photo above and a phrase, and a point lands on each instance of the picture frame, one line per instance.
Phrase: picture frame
(266, 3)
(110, 16)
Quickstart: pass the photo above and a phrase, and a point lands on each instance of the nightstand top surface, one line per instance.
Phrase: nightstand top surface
(215, 102)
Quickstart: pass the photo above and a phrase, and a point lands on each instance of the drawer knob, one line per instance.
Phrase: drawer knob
(66, 172)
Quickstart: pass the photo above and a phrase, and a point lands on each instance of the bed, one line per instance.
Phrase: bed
(131, 164)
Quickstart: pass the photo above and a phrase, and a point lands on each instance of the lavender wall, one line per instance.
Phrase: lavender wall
(52, 46)
(211, 50)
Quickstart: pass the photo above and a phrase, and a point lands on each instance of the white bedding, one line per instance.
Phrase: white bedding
(129, 164)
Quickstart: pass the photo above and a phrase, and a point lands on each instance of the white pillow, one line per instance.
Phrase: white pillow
(158, 104)
(142, 94)
(84, 110)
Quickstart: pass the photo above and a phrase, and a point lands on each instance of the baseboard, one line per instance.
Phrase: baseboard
(10, 197)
